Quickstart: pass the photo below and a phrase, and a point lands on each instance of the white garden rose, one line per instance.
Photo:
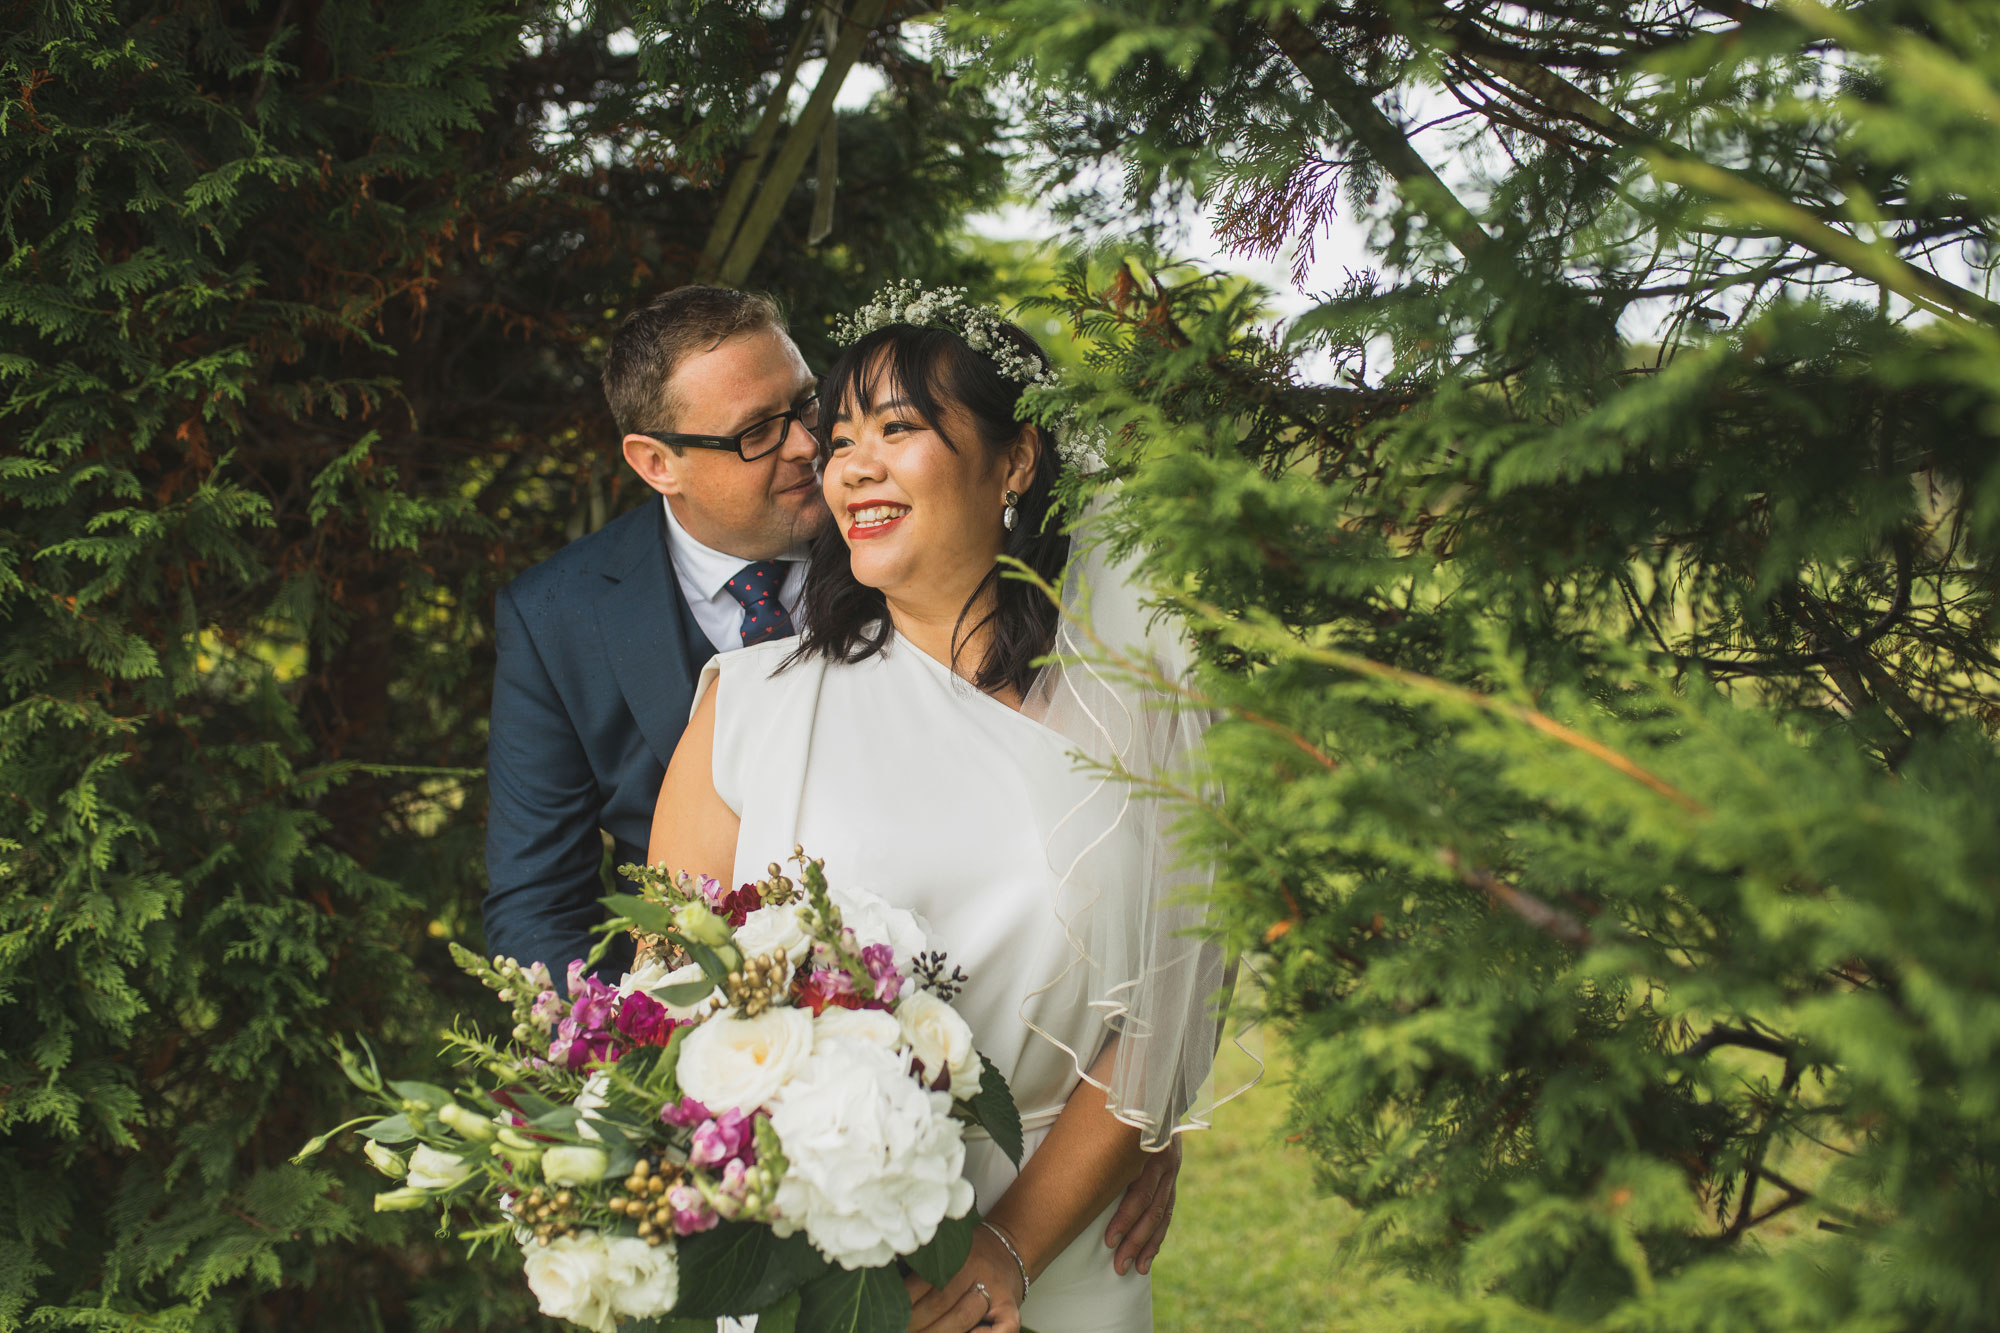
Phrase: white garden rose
(873, 1160)
(871, 1027)
(434, 1170)
(768, 929)
(939, 1037)
(648, 976)
(875, 921)
(593, 1279)
(645, 1278)
(655, 979)
(743, 1062)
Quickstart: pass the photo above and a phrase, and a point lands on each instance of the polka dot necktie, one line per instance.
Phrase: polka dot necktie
(756, 586)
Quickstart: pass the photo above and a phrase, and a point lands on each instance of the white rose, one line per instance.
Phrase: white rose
(593, 1278)
(769, 929)
(873, 1160)
(870, 1027)
(743, 1062)
(874, 921)
(434, 1170)
(645, 1278)
(939, 1038)
(654, 979)
(648, 976)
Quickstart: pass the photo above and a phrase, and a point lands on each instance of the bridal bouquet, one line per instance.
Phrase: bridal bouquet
(764, 1116)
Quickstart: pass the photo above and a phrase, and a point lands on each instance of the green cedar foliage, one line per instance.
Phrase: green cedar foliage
(1603, 600)
(302, 306)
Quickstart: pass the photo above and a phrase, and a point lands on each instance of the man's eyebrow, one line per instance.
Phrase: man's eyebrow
(766, 413)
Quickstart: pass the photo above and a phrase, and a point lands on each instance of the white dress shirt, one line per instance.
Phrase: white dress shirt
(702, 571)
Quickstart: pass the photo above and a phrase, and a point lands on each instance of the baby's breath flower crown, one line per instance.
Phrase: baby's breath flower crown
(909, 302)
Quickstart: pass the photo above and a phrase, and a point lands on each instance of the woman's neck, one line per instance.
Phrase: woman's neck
(931, 627)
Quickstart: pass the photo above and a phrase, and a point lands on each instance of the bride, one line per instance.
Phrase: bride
(909, 739)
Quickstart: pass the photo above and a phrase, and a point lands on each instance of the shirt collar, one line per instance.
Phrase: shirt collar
(704, 567)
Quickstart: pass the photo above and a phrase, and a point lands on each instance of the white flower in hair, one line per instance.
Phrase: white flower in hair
(909, 302)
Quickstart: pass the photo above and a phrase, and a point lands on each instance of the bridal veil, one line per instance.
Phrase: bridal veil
(1114, 689)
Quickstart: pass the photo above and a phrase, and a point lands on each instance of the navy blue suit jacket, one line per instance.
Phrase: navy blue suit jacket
(598, 658)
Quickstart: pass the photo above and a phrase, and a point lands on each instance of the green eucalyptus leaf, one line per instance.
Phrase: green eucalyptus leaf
(649, 916)
(391, 1129)
(428, 1095)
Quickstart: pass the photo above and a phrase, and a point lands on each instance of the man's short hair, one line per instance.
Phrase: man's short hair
(651, 343)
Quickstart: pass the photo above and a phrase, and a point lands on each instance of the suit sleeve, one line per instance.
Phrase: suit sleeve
(543, 847)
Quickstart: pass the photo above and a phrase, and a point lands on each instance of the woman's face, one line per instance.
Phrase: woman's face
(921, 520)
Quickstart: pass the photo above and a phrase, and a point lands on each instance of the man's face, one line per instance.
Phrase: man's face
(758, 510)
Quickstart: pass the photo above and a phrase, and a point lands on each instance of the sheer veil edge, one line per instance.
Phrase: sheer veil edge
(1160, 984)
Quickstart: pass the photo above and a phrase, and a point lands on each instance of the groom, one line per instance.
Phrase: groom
(600, 645)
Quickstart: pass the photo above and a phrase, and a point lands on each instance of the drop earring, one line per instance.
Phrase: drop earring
(1012, 513)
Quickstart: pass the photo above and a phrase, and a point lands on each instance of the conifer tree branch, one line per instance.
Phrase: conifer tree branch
(1811, 228)
(1376, 133)
(800, 143)
(1278, 641)
(1725, 1034)
(744, 183)
(1875, 263)
(1542, 916)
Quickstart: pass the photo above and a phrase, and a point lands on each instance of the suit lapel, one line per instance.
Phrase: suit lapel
(643, 619)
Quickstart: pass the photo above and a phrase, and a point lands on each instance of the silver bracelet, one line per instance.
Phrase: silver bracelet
(1001, 1236)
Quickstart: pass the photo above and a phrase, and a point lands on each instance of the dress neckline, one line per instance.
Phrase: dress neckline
(960, 684)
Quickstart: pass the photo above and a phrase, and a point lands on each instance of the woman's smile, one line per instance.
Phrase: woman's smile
(873, 518)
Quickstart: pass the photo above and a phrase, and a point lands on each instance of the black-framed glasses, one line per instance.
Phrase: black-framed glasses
(754, 441)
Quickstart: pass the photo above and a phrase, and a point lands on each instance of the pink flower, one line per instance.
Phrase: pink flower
(575, 1047)
(710, 890)
(644, 1021)
(547, 1011)
(727, 1138)
(685, 1112)
(732, 1188)
(881, 962)
(691, 1211)
(592, 1004)
(828, 987)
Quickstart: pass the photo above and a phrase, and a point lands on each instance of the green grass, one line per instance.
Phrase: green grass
(1252, 1245)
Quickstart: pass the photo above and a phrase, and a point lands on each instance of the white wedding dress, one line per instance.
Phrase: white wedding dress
(914, 785)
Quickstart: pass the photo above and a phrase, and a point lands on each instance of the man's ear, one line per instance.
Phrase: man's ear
(1022, 457)
(657, 465)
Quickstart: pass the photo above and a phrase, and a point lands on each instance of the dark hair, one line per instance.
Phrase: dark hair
(651, 342)
(847, 621)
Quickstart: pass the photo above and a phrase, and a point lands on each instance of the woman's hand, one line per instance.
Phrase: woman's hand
(1139, 1226)
(962, 1304)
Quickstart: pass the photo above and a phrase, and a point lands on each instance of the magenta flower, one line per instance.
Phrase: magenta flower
(575, 1046)
(685, 1112)
(593, 1004)
(644, 1021)
(727, 1138)
(881, 962)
